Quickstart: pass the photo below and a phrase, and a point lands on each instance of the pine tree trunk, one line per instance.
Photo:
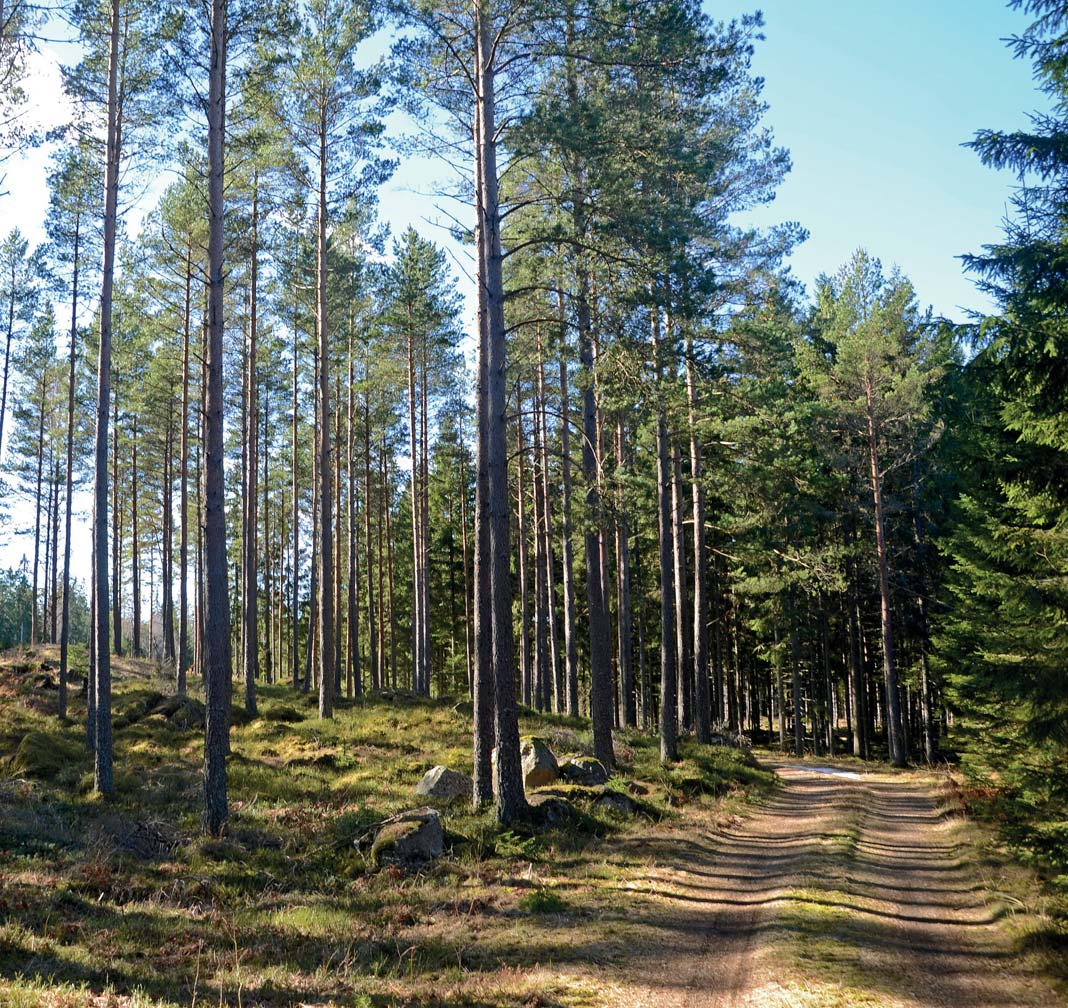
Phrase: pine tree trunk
(669, 747)
(327, 672)
(116, 539)
(523, 562)
(35, 627)
(510, 798)
(355, 681)
(102, 742)
(135, 550)
(372, 633)
(183, 493)
(895, 737)
(249, 573)
(217, 663)
(683, 639)
(418, 658)
(623, 603)
(702, 706)
(72, 386)
(566, 535)
(295, 504)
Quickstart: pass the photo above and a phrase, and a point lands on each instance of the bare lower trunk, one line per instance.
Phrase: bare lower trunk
(250, 648)
(101, 721)
(72, 384)
(510, 799)
(895, 736)
(669, 748)
(326, 517)
(217, 602)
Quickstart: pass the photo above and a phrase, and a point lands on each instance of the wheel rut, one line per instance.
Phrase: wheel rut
(840, 890)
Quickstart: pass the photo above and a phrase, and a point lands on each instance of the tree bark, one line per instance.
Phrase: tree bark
(102, 742)
(217, 663)
(326, 518)
(895, 737)
(250, 651)
(72, 385)
(511, 802)
(669, 747)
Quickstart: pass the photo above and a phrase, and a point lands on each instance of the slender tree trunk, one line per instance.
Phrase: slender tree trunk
(35, 626)
(295, 604)
(135, 550)
(326, 518)
(927, 704)
(511, 801)
(72, 386)
(898, 748)
(250, 647)
(466, 563)
(372, 633)
(102, 743)
(623, 603)
(418, 657)
(217, 665)
(567, 544)
(523, 562)
(354, 676)
(669, 746)
(682, 638)
(702, 707)
(183, 493)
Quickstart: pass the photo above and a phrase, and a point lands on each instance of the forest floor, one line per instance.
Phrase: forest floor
(731, 886)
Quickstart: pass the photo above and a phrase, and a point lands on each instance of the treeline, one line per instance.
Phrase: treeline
(681, 497)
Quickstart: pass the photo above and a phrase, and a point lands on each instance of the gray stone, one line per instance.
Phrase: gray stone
(410, 839)
(585, 770)
(551, 810)
(617, 803)
(443, 784)
(539, 764)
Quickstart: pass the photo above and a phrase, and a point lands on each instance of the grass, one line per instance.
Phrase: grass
(125, 903)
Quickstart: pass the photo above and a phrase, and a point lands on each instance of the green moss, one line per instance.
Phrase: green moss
(45, 755)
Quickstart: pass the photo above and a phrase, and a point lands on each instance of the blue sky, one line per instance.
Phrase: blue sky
(873, 100)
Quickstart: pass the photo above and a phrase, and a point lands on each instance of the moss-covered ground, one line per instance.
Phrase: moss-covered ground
(124, 902)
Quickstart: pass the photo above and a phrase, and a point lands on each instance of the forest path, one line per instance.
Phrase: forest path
(842, 889)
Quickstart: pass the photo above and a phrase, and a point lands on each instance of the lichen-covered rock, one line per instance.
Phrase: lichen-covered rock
(409, 840)
(617, 803)
(443, 784)
(550, 810)
(585, 770)
(539, 763)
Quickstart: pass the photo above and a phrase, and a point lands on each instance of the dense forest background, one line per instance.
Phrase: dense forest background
(675, 491)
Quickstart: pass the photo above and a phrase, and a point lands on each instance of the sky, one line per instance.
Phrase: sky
(873, 100)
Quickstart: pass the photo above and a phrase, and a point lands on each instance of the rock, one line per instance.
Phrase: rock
(283, 714)
(539, 764)
(409, 840)
(584, 770)
(443, 784)
(617, 803)
(44, 681)
(550, 810)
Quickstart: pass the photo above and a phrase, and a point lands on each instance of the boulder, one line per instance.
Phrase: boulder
(539, 764)
(549, 810)
(409, 840)
(617, 803)
(584, 770)
(443, 784)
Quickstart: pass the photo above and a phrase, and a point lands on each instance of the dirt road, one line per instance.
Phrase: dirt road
(843, 890)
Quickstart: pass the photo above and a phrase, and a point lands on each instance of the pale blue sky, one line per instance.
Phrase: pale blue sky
(873, 100)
